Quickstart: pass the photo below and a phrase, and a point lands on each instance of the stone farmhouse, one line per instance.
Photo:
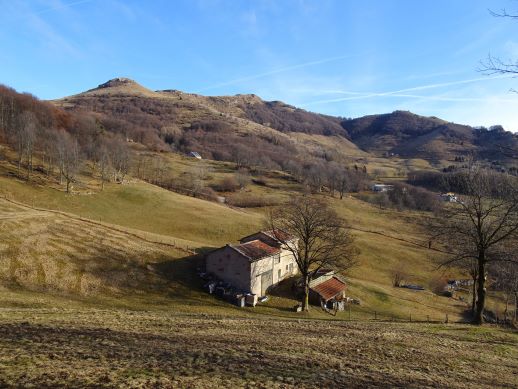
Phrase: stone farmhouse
(257, 263)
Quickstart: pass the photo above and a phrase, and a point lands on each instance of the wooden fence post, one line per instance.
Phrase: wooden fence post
(375, 315)
(410, 318)
(447, 319)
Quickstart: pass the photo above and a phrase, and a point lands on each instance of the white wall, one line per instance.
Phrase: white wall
(230, 266)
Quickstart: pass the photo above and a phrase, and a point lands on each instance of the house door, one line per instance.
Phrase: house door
(266, 281)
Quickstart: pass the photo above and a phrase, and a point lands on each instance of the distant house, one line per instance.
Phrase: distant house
(449, 197)
(382, 187)
(257, 263)
(194, 154)
(328, 291)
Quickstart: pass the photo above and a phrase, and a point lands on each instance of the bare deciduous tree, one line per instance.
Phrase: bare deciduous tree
(506, 274)
(243, 177)
(25, 139)
(68, 155)
(496, 65)
(103, 160)
(120, 159)
(482, 226)
(322, 239)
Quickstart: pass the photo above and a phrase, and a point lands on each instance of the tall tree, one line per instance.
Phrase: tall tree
(69, 159)
(104, 163)
(506, 275)
(25, 139)
(120, 159)
(316, 236)
(482, 226)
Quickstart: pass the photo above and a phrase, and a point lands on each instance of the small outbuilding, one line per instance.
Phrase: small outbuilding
(449, 197)
(328, 291)
(194, 154)
(382, 188)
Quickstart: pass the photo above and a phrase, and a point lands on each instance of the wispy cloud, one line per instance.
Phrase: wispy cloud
(280, 70)
(458, 99)
(56, 7)
(52, 39)
(398, 93)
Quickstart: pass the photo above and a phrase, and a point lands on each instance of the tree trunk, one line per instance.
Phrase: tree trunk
(305, 301)
(507, 297)
(515, 305)
(68, 185)
(474, 295)
(481, 290)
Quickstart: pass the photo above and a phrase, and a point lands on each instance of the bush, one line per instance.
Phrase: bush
(208, 194)
(228, 184)
(247, 200)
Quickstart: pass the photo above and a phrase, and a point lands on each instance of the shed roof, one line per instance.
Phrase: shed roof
(330, 288)
(255, 249)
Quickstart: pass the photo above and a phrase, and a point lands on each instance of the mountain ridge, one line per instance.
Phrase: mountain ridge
(399, 133)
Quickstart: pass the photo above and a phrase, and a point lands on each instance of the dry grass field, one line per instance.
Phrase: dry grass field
(118, 348)
(144, 209)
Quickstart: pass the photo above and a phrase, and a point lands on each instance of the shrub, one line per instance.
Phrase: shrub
(247, 200)
(227, 184)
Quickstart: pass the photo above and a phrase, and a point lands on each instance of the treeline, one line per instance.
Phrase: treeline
(143, 120)
(455, 181)
(157, 124)
(286, 118)
(404, 196)
(59, 141)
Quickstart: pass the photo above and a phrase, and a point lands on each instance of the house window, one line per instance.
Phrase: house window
(291, 268)
(286, 267)
(278, 259)
(279, 274)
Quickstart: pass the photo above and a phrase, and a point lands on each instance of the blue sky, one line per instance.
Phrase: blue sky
(343, 57)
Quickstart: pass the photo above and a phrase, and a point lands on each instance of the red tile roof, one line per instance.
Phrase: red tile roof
(256, 249)
(330, 288)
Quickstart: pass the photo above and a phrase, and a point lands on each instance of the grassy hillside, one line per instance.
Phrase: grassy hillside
(140, 208)
(144, 207)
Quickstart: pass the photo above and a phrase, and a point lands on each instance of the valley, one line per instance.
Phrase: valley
(111, 255)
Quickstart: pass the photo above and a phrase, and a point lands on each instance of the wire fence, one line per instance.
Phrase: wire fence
(142, 235)
(414, 317)
(356, 313)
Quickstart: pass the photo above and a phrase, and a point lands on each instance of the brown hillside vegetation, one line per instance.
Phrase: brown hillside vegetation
(184, 121)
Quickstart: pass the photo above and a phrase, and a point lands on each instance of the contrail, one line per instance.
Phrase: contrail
(281, 70)
(369, 95)
(57, 7)
(445, 98)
